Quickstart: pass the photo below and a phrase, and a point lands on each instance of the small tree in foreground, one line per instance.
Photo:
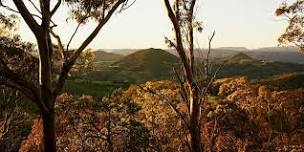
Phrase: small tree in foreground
(43, 92)
(194, 86)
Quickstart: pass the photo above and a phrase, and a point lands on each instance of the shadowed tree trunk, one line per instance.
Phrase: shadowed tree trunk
(49, 131)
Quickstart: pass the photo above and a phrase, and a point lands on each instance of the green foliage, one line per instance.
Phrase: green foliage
(83, 10)
(257, 69)
(284, 81)
(97, 89)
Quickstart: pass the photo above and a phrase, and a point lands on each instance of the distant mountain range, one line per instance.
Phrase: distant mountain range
(157, 64)
(280, 54)
(143, 65)
(242, 64)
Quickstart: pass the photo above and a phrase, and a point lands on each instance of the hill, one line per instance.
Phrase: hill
(156, 64)
(240, 58)
(284, 81)
(123, 52)
(143, 65)
(242, 64)
(106, 56)
(281, 54)
(104, 59)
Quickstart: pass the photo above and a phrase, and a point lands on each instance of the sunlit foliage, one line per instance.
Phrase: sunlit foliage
(294, 33)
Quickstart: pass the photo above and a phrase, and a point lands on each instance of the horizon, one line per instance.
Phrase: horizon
(246, 24)
(232, 48)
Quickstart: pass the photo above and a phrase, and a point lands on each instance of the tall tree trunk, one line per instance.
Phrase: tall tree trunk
(196, 139)
(195, 117)
(49, 131)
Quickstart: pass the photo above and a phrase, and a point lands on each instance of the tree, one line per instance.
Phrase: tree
(294, 33)
(182, 16)
(48, 88)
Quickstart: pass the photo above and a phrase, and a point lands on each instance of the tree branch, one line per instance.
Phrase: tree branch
(30, 93)
(179, 41)
(70, 62)
(183, 90)
(27, 16)
(208, 54)
(59, 42)
(33, 4)
(56, 7)
(75, 32)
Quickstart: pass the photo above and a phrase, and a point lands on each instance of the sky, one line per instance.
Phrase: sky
(238, 23)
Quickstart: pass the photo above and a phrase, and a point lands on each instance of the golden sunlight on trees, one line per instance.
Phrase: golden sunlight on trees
(255, 119)
(158, 101)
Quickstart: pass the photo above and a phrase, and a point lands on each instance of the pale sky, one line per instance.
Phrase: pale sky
(238, 23)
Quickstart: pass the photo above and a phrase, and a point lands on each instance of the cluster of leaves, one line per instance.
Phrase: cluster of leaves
(8, 36)
(294, 32)
(85, 62)
(84, 10)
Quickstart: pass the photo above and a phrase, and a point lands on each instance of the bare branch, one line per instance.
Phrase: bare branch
(208, 54)
(191, 34)
(33, 4)
(125, 6)
(27, 16)
(56, 7)
(183, 90)
(75, 32)
(59, 42)
(5, 126)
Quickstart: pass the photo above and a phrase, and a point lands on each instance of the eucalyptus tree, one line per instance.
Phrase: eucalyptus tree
(182, 15)
(294, 33)
(39, 17)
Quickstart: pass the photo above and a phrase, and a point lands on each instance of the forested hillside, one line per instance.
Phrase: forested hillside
(60, 91)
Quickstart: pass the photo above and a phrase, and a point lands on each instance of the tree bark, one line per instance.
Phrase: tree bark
(49, 131)
(196, 139)
(195, 118)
